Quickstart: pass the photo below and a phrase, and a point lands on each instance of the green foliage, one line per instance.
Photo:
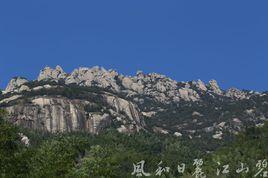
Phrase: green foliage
(112, 154)
(93, 107)
(97, 163)
(3, 113)
(13, 155)
(56, 157)
(248, 148)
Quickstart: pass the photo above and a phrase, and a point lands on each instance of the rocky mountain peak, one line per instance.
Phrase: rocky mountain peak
(52, 74)
(156, 86)
(97, 76)
(236, 93)
(201, 85)
(107, 98)
(140, 74)
(215, 87)
(58, 68)
(15, 83)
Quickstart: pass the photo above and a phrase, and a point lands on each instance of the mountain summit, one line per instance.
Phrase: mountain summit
(155, 85)
(93, 99)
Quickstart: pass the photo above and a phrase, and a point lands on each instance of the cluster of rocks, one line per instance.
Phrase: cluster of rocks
(236, 94)
(123, 102)
(59, 114)
(156, 86)
(17, 85)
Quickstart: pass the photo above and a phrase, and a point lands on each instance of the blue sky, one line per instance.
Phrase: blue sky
(185, 40)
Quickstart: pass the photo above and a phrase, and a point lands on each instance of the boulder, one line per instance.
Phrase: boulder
(15, 84)
(52, 74)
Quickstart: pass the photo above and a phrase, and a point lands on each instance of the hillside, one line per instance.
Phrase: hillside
(94, 99)
(112, 154)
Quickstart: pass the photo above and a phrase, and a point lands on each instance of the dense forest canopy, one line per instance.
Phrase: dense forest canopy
(112, 154)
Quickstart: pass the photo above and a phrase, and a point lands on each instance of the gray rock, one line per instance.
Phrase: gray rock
(59, 114)
(236, 94)
(201, 85)
(52, 74)
(215, 87)
(24, 139)
(95, 76)
(188, 94)
(14, 84)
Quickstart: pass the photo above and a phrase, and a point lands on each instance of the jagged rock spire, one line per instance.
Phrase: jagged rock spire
(215, 87)
(54, 74)
(236, 93)
(15, 83)
(201, 85)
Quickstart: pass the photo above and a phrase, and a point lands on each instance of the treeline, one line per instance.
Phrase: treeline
(112, 154)
(109, 154)
(249, 151)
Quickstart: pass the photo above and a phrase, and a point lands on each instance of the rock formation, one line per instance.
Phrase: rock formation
(93, 99)
(15, 84)
(236, 94)
(58, 114)
(52, 74)
(215, 87)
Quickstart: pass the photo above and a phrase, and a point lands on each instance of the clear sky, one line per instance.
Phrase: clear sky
(185, 40)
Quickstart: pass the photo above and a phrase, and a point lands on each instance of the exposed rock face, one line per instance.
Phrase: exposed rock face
(64, 115)
(156, 86)
(24, 139)
(188, 94)
(178, 134)
(130, 84)
(149, 114)
(93, 76)
(15, 84)
(201, 85)
(236, 94)
(7, 100)
(218, 135)
(92, 99)
(195, 113)
(159, 87)
(160, 130)
(52, 74)
(215, 87)
(126, 107)
(50, 114)
(24, 88)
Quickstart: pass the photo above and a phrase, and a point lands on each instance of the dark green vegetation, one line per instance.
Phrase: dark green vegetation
(249, 147)
(111, 154)
(172, 116)
(83, 155)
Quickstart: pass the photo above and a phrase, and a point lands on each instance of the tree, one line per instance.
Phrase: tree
(56, 157)
(14, 156)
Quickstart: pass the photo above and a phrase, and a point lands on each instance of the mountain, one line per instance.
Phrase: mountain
(94, 99)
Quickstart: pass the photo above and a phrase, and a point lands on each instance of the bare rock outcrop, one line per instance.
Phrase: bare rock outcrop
(188, 94)
(131, 84)
(95, 76)
(15, 84)
(236, 93)
(159, 87)
(52, 74)
(201, 85)
(59, 114)
(50, 114)
(134, 116)
(92, 99)
(215, 87)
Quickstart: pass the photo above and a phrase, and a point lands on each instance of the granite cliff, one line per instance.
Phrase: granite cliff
(93, 99)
